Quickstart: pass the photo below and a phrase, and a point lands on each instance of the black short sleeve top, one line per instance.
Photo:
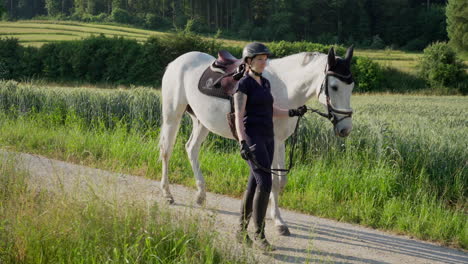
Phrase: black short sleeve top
(258, 119)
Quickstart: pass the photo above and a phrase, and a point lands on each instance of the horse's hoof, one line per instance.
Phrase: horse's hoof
(201, 200)
(169, 200)
(283, 230)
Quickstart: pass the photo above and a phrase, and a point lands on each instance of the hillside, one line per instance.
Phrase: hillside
(38, 32)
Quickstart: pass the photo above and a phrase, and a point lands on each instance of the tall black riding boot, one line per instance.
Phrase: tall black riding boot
(260, 205)
(246, 212)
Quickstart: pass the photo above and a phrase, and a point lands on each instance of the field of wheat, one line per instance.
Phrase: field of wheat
(403, 168)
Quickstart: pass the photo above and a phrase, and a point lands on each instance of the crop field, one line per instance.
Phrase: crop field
(404, 61)
(37, 33)
(404, 168)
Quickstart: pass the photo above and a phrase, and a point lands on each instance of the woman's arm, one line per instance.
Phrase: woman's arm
(240, 100)
(280, 112)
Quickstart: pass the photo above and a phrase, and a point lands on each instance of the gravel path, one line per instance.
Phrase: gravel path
(312, 240)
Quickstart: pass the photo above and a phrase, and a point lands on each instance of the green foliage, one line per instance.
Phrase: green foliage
(377, 42)
(10, 58)
(457, 24)
(440, 66)
(152, 21)
(53, 7)
(285, 48)
(2, 10)
(99, 59)
(415, 44)
(368, 74)
(121, 16)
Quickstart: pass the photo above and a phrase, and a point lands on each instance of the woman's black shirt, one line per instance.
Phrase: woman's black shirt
(258, 119)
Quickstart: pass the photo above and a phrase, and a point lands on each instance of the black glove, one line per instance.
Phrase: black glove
(300, 111)
(245, 150)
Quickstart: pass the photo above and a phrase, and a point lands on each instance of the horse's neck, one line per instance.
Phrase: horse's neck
(302, 82)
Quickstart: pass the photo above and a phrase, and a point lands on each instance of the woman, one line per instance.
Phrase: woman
(254, 112)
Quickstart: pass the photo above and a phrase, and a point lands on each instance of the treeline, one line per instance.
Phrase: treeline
(407, 24)
(115, 61)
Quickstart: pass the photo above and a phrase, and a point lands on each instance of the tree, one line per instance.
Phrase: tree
(53, 7)
(457, 24)
(2, 10)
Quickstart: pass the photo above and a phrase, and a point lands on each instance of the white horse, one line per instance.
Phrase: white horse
(294, 80)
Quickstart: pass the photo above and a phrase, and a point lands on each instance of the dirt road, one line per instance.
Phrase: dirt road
(312, 239)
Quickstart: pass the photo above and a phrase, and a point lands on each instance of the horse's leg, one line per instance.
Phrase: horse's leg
(278, 184)
(172, 115)
(199, 133)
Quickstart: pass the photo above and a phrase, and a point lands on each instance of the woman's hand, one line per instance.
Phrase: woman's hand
(245, 150)
(300, 111)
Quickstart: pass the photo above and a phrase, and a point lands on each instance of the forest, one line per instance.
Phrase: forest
(401, 24)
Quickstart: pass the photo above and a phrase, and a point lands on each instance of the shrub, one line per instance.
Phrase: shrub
(367, 74)
(439, 66)
(285, 48)
(377, 43)
(102, 17)
(415, 44)
(121, 16)
(151, 21)
(10, 58)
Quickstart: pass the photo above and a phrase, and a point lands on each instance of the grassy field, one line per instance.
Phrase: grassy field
(71, 227)
(404, 61)
(37, 33)
(404, 168)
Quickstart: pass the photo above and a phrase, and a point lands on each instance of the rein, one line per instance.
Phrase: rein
(331, 115)
(291, 156)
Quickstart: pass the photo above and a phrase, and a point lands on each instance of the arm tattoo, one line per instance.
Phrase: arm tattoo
(239, 101)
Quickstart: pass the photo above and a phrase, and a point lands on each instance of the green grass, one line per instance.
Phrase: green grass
(70, 227)
(55, 30)
(404, 167)
(401, 60)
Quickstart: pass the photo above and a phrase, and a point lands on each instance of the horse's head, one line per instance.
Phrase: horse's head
(335, 92)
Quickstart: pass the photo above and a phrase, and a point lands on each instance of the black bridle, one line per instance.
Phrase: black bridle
(331, 115)
(332, 111)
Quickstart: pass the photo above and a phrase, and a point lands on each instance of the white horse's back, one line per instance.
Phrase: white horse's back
(180, 89)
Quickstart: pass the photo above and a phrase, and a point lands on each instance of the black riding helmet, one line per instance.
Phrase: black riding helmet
(253, 49)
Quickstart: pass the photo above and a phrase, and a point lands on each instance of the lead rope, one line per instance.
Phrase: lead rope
(291, 156)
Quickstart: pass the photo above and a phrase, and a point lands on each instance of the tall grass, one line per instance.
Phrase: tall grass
(404, 167)
(62, 227)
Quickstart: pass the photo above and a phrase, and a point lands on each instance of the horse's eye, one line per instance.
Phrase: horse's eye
(335, 88)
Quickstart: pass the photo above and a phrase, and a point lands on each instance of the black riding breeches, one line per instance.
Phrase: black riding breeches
(264, 150)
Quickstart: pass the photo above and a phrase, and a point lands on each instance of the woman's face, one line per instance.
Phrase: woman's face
(259, 63)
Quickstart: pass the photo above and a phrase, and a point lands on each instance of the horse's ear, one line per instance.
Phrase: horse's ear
(331, 58)
(349, 55)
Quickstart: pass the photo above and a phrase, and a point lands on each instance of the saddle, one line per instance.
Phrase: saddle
(220, 79)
